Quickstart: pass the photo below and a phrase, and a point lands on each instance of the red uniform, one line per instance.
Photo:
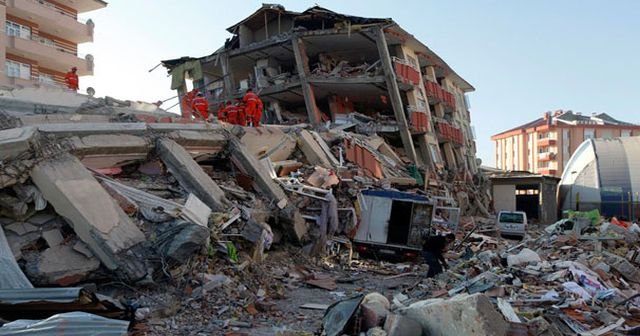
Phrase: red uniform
(231, 112)
(242, 115)
(201, 107)
(187, 100)
(222, 113)
(253, 106)
(72, 81)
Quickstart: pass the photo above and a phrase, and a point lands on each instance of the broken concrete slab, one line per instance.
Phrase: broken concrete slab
(62, 265)
(82, 248)
(21, 228)
(399, 325)
(41, 218)
(53, 237)
(181, 240)
(462, 315)
(269, 142)
(110, 150)
(190, 175)
(94, 215)
(312, 150)
(14, 141)
(199, 142)
(375, 308)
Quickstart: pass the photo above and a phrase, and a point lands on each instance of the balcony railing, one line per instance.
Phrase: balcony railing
(405, 72)
(448, 132)
(40, 40)
(57, 9)
(440, 95)
(546, 156)
(418, 119)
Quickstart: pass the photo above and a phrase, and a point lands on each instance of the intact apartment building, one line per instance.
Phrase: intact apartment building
(40, 40)
(319, 66)
(544, 146)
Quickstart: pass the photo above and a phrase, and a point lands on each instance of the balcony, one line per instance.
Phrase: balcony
(52, 57)
(405, 72)
(547, 156)
(52, 19)
(437, 94)
(543, 142)
(419, 121)
(447, 132)
(548, 171)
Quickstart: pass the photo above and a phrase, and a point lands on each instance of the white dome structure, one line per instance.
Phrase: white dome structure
(603, 174)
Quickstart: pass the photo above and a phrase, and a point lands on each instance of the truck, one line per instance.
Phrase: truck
(392, 223)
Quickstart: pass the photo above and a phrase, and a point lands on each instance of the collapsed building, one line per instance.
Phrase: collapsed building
(364, 75)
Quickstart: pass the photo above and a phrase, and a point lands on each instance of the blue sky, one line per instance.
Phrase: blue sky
(523, 57)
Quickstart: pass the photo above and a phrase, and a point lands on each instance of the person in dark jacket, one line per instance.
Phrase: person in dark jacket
(433, 252)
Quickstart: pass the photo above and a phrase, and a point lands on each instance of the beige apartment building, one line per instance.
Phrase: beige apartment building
(41, 38)
(545, 145)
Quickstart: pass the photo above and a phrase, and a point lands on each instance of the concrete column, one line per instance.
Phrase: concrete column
(227, 76)
(449, 156)
(94, 215)
(302, 65)
(394, 95)
(190, 175)
(289, 215)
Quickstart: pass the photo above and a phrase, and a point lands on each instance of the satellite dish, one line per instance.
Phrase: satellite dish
(91, 92)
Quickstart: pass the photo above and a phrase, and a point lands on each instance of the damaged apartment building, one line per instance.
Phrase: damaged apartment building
(359, 74)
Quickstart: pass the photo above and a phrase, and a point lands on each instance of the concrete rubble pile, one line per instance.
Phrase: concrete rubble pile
(193, 228)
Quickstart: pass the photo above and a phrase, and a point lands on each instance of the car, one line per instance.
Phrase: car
(512, 223)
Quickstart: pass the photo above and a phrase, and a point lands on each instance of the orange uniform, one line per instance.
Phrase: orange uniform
(253, 106)
(201, 107)
(231, 112)
(187, 101)
(222, 113)
(242, 115)
(72, 80)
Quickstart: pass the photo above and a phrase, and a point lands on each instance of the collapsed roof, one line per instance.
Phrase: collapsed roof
(319, 18)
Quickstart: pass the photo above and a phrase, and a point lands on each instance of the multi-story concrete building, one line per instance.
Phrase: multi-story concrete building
(41, 37)
(319, 66)
(545, 145)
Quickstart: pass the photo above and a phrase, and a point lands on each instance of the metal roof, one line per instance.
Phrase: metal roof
(67, 324)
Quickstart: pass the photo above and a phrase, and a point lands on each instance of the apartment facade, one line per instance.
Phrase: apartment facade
(40, 40)
(545, 145)
(320, 66)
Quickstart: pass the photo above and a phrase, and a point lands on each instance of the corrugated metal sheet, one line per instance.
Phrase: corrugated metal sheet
(39, 303)
(67, 324)
(11, 275)
(59, 295)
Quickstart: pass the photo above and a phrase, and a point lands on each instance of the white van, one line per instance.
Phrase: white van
(512, 223)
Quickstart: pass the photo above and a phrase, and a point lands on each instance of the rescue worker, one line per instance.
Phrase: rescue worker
(433, 252)
(253, 108)
(231, 112)
(222, 111)
(71, 79)
(242, 114)
(200, 106)
(187, 101)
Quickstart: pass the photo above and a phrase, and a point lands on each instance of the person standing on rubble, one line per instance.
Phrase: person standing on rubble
(200, 106)
(433, 252)
(72, 80)
(222, 111)
(253, 108)
(232, 113)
